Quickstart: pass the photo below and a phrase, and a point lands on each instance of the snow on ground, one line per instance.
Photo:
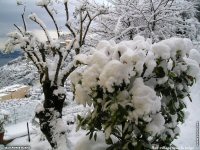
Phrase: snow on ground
(187, 137)
(19, 110)
(18, 130)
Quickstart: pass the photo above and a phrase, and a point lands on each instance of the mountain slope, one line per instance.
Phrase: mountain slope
(18, 71)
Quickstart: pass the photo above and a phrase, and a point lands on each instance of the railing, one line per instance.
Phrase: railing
(19, 110)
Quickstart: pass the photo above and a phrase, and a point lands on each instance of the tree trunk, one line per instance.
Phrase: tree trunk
(1, 137)
(50, 117)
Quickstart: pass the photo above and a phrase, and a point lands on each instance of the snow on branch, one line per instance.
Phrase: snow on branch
(43, 2)
(85, 13)
(51, 57)
(37, 20)
(173, 15)
(52, 17)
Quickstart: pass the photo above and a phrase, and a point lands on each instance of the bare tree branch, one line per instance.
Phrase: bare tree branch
(66, 10)
(59, 63)
(19, 29)
(67, 72)
(23, 19)
(81, 28)
(52, 17)
(67, 19)
(34, 18)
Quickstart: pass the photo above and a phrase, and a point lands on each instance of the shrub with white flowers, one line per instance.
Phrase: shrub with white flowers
(136, 90)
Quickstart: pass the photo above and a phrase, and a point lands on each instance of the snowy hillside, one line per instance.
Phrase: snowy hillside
(5, 58)
(17, 71)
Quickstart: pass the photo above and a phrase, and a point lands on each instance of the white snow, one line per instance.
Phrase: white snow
(114, 73)
(12, 133)
(39, 108)
(195, 55)
(60, 90)
(156, 126)
(90, 77)
(143, 104)
(81, 95)
(42, 2)
(12, 88)
(188, 129)
(193, 67)
(161, 50)
(98, 58)
(82, 58)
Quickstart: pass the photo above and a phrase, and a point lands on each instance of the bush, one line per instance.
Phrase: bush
(136, 89)
(3, 118)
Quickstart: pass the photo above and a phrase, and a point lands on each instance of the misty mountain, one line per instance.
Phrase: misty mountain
(15, 54)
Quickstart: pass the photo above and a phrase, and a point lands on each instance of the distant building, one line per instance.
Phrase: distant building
(14, 92)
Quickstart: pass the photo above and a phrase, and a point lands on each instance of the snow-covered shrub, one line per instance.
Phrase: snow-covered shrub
(3, 118)
(136, 89)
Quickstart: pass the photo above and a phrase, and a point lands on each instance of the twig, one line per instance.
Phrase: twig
(54, 21)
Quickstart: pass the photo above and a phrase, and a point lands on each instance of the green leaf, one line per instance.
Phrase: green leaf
(172, 74)
(91, 135)
(95, 136)
(88, 133)
(189, 97)
(159, 71)
(79, 118)
(139, 146)
(109, 141)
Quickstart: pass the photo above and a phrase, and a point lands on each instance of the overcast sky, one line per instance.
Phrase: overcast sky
(10, 14)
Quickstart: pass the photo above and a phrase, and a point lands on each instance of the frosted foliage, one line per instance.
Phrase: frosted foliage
(168, 48)
(42, 2)
(102, 44)
(156, 126)
(161, 50)
(114, 73)
(173, 122)
(75, 77)
(143, 103)
(81, 58)
(150, 63)
(90, 77)
(19, 2)
(98, 58)
(136, 82)
(65, 1)
(39, 108)
(195, 55)
(174, 44)
(81, 95)
(127, 59)
(193, 67)
(158, 19)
